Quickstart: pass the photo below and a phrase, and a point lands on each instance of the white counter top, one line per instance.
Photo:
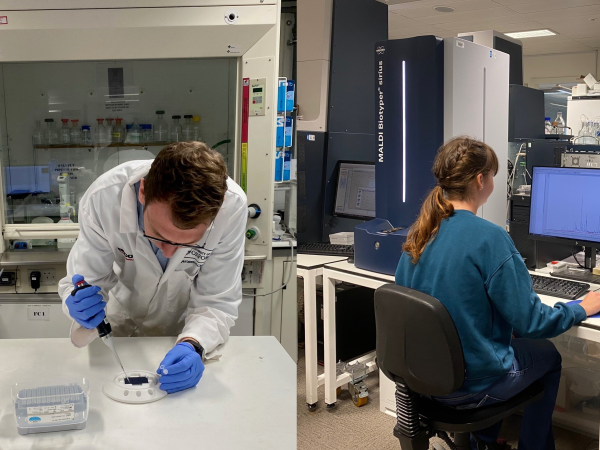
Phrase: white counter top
(307, 261)
(345, 266)
(245, 400)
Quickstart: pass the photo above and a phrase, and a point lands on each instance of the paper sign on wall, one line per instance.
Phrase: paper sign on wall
(38, 312)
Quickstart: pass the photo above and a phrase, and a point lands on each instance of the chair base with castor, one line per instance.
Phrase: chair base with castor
(420, 418)
(419, 349)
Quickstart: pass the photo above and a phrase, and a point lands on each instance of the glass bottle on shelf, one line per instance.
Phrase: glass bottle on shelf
(100, 132)
(127, 135)
(109, 130)
(175, 129)
(560, 124)
(161, 128)
(587, 132)
(50, 133)
(548, 125)
(196, 128)
(75, 132)
(118, 131)
(147, 133)
(86, 135)
(65, 132)
(134, 134)
(187, 130)
(38, 134)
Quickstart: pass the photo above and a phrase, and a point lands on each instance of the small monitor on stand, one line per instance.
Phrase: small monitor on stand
(355, 193)
(565, 208)
(25, 180)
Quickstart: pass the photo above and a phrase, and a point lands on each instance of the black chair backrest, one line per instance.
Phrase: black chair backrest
(417, 341)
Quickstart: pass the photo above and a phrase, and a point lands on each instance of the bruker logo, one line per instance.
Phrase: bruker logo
(127, 256)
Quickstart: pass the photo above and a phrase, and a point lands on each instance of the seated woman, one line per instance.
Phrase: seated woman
(474, 269)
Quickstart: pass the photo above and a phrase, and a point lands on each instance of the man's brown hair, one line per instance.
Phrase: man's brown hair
(191, 178)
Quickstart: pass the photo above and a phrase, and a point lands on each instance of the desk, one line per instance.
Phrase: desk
(309, 267)
(247, 399)
(343, 271)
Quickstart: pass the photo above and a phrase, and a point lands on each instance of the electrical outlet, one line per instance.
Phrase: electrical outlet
(48, 276)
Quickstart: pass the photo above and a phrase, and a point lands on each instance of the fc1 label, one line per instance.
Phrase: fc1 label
(38, 312)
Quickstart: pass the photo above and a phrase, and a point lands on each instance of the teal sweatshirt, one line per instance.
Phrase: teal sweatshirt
(474, 269)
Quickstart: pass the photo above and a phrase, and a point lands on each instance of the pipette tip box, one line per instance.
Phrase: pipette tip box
(51, 405)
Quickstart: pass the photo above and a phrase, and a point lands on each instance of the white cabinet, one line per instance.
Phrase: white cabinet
(29, 316)
(277, 313)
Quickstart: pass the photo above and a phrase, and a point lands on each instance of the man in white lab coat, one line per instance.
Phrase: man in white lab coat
(162, 244)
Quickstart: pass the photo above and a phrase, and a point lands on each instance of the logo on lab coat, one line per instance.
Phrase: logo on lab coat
(128, 257)
(197, 257)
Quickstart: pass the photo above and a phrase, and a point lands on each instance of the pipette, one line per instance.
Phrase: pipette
(104, 329)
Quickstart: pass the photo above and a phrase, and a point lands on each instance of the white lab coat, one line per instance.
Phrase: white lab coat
(198, 294)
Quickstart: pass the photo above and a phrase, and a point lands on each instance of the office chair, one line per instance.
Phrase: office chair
(419, 349)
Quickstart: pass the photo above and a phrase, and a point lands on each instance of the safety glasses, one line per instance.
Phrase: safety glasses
(195, 246)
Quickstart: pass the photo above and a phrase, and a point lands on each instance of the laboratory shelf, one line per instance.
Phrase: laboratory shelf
(141, 144)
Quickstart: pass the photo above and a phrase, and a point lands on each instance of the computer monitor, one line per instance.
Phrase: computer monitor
(355, 192)
(27, 179)
(565, 207)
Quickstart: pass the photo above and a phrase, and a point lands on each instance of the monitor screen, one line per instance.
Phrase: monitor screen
(565, 203)
(27, 179)
(355, 195)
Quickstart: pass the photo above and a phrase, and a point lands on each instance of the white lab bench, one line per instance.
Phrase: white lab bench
(247, 399)
(309, 267)
(342, 271)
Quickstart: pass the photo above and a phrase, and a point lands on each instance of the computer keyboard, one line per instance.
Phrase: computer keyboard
(557, 287)
(327, 249)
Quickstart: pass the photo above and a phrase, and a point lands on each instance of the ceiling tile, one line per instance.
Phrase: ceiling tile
(549, 5)
(565, 14)
(435, 17)
(559, 48)
(546, 40)
(416, 31)
(590, 42)
(569, 18)
(424, 4)
(514, 27)
(512, 2)
(396, 21)
(571, 22)
(483, 25)
(463, 6)
(589, 30)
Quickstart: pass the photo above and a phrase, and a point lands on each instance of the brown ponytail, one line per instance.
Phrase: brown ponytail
(456, 165)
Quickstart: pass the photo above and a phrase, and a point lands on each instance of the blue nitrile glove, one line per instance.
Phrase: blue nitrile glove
(181, 369)
(87, 306)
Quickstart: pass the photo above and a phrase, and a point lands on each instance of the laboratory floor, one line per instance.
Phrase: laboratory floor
(347, 426)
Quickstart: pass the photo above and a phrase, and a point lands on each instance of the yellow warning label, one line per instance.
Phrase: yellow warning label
(244, 177)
